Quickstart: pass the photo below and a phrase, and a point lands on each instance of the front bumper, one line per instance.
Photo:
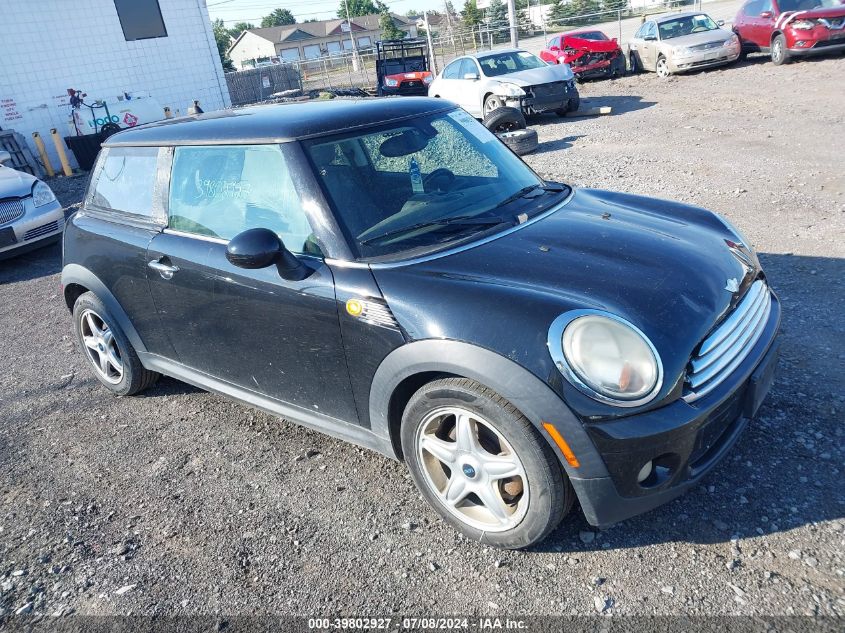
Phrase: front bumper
(37, 227)
(545, 97)
(406, 89)
(704, 59)
(684, 441)
(819, 47)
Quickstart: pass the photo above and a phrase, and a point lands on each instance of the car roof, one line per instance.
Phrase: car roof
(497, 51)
(672, 16)
(276, 123)
(579, 31)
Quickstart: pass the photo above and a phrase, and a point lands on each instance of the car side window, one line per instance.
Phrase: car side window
(555, 41)
(468, 66)
(220, 191)
(126, 180)
(650, 29)
(453, 70)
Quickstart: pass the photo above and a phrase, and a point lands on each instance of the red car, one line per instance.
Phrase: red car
(588, 53)
(789, 28)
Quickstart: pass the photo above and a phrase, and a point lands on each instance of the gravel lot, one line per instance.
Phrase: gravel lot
(181, 502)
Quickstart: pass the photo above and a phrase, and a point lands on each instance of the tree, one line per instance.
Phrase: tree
(389, 30)
(278, 17)
(358, 8)
(471, 14)
(239, 28)
(557, 13)
(223, 40)
(497, 17)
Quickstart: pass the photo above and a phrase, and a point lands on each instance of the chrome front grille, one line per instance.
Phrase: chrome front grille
(10, 210)
(725, 348)
(707, 46)
(40, 231)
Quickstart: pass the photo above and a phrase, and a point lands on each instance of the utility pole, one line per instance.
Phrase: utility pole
(355, 63)
(512, 19)
(430, 45)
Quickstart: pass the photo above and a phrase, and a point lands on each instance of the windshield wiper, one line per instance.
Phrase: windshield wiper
(458, 220)
(546, 188)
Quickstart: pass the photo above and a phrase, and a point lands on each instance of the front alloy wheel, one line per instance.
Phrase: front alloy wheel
(482, 465)
(663, 68)
(473, 469)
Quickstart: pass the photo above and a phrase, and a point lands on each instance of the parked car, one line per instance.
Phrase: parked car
(392, 275)
(30, 215)
(402, 68)
(482, 82)
(589, 53)
(679, 42)
(790, 28)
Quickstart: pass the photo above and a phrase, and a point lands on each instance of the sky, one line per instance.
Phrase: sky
(231, 11)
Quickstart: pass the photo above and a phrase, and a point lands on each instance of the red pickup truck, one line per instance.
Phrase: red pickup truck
(790, 28)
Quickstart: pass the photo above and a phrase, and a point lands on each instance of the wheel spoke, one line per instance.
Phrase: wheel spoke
(446, 452)
(492, 500)
(104, 363)
(501, 467)
(90, 342)
(113, 360)
(456, 490)
(465, 433)
(95, 330)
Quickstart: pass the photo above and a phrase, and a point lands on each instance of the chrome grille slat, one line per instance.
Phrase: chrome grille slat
(10, 210)
(749, 320)
(725, 349)
(754, 293)
(39, 231)
(378, 314)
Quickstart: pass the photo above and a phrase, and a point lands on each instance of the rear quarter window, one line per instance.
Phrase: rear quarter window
(125, 180)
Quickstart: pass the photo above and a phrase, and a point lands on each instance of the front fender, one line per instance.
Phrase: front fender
(76, 274)
(531, 396)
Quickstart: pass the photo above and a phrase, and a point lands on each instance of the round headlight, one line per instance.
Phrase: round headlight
(606, 357)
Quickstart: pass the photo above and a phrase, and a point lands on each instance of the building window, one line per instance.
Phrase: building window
(311, 51)
(140, 19)
(365, 42)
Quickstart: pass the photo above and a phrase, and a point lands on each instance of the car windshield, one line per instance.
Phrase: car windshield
(504, 63)
(686, 26)
(806, 5)
(423, 184)
(590, 35)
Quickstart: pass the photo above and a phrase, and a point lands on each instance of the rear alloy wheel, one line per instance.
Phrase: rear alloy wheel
(482, 465)
(662, 67)
(504, 119)
(107, 349)
(779, 53)
(521, 142)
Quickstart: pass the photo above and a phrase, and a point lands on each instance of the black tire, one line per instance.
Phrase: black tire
(505, 120)
(617, 67)
(521, 142)
(634, 65)
(135, 377)
(549, 495)
(779, 52)
(108, 129)
(571, 106)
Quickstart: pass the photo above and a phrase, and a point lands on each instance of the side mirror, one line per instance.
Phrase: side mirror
(471, 76)
(612, 39)
(766, 14)
(720, 23)
(4, 156)
(260, 248)
(650, 38)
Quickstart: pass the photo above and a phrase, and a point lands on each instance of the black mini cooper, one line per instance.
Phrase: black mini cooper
(388, 272)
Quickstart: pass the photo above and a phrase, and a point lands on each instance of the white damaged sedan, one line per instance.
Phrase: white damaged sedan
(30, 215)
(484, 81)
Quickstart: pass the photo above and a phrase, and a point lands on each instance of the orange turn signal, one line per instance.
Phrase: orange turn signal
(562, 445)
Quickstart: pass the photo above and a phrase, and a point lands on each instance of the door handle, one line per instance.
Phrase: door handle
(165, 270)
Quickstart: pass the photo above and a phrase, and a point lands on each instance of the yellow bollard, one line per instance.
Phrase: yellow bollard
(42, 152)
(167, 113)
(60, 148)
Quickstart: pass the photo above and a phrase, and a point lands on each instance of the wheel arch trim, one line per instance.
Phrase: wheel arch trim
(79, 275)
(534, 399)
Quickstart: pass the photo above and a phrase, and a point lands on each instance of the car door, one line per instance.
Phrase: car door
(450, 82)
(552, 51)
(249, 328)
(470, 96)
(764, 24)
(648, 45)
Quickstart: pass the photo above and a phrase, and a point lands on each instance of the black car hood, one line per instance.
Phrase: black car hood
(663, 266)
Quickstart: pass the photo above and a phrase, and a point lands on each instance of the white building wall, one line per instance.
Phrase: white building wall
(49, 46)
(252, 46)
